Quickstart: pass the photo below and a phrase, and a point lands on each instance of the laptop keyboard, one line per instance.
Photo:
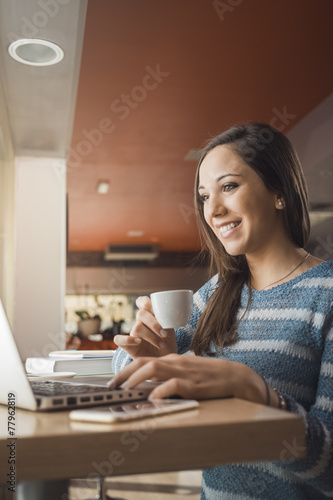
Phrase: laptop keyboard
(54, 388)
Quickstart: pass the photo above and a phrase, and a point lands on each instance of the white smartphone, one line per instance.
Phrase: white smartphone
(132, 411)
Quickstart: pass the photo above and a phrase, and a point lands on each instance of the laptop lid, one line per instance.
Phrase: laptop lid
(13, 379)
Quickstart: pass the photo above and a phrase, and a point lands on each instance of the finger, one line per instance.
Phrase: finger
(146, 316)
(141, 331)
(174, 386)
(126, 341)
(136, 372)
(148, 329)
(123, 375)
(144, 302)
(151, 322)
(155, 367)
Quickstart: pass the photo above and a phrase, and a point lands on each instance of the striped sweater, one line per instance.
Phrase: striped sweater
(286, 336)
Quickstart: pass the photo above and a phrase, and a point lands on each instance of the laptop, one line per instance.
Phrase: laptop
(50, 395)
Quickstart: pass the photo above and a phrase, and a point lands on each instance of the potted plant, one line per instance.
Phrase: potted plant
(88, 325)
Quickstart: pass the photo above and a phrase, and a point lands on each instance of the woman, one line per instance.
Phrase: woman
(261, 328)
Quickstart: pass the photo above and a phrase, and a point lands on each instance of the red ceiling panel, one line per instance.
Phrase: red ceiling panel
(160, 78)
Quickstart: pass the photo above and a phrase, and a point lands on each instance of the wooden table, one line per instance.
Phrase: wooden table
(49, 446)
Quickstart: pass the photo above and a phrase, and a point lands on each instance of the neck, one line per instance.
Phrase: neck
(274, 266)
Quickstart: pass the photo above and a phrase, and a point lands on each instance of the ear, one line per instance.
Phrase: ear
(279, 202)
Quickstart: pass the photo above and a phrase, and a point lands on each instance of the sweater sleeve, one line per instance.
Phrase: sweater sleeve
(317, 467)
(183, 335)
(120, 360)
(200, 299)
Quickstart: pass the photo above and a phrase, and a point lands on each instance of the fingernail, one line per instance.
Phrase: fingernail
(161, 344)
(163, 333)
(137, 340)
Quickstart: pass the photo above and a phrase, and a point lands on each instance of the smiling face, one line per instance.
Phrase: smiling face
(244, 215)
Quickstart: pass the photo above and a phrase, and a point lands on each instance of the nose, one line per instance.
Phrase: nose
(215, 207)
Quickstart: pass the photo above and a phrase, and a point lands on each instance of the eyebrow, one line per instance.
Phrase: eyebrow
(222, 177)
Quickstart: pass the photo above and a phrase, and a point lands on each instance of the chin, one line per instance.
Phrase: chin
(234, 252)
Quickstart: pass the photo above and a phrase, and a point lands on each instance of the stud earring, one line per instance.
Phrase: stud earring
(280, 203)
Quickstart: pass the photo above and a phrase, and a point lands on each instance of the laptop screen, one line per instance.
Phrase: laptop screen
(13, 378)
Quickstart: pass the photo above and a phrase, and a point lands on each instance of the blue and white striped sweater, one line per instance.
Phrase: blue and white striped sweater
(286, 336)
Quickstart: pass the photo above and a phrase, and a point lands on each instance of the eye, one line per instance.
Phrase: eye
(228, 187)
(203, 197)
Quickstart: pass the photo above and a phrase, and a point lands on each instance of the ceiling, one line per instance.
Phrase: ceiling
(143, 83)
(41, 100)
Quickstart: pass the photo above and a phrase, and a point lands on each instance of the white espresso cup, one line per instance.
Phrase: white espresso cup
(173, 308)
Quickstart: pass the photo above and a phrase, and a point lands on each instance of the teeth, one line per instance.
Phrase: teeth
(229, 226)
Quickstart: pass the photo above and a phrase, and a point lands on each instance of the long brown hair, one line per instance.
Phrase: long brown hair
(271, 155)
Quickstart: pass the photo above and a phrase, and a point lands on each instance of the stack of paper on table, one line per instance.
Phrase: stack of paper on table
(80, 362)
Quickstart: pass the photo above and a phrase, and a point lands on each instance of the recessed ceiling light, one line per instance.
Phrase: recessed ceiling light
(135, 234)
(35, 52)
(102, 187)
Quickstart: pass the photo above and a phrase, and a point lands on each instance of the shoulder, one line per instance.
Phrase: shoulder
(315, 288)
(324, 267)
(317, 278)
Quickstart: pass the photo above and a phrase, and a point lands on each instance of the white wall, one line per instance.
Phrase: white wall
(312, 139)
(40, 232)
(312, 136)
(7, 186)
(7, 267)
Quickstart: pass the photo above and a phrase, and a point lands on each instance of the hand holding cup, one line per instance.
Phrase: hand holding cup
(154, 335)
